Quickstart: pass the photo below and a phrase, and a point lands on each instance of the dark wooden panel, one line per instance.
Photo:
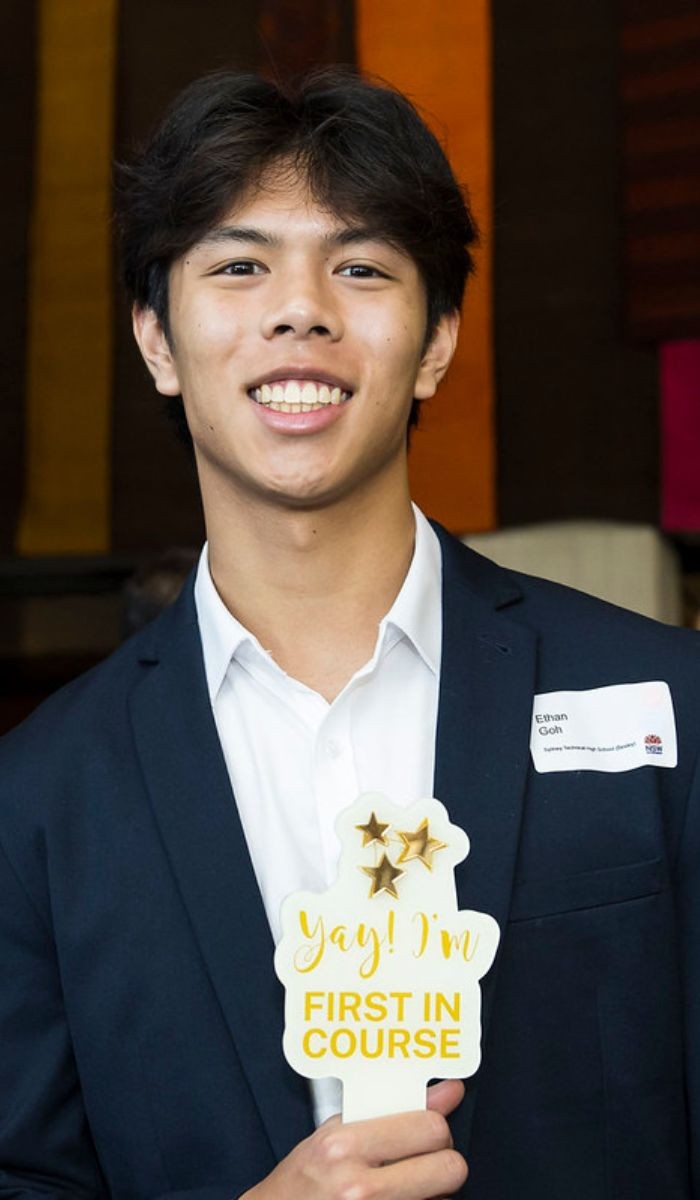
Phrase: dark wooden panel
(660, 106)
(663, 13)
(162, 46)
(17, 86)
(577, 406)
(299, 34)
(643, 31)
(662, 136)
(685, 220)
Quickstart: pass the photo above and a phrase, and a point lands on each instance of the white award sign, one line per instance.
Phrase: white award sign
(382, 970)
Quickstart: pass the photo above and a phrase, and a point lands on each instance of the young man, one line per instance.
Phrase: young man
(296, 262)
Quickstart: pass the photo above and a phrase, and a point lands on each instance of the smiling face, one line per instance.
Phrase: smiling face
(297, 344)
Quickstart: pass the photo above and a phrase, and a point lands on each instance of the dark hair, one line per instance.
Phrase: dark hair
(362, 146)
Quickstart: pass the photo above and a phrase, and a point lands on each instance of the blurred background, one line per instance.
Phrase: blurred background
(566, 440)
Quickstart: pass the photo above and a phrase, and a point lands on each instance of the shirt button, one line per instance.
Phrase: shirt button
(333, 748)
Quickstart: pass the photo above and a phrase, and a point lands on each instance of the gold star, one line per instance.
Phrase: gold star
(383, 877)
(373, 831)
(419, 844)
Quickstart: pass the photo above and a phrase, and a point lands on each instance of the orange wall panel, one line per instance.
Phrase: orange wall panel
(439, 55)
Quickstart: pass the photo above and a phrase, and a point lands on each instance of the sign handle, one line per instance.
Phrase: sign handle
(382, 1097)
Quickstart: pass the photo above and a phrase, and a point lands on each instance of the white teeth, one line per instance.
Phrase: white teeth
(298, 396)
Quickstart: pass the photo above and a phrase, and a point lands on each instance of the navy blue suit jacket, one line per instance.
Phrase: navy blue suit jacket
(140, 1019)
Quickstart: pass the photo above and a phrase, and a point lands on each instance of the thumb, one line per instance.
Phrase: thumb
(443, 1097)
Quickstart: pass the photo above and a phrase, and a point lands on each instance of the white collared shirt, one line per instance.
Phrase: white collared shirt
(295, 761)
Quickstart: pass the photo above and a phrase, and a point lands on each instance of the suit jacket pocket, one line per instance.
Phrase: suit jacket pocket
(590, 889)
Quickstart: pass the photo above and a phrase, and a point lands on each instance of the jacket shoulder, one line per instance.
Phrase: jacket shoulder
(553, 605)
(580, 637)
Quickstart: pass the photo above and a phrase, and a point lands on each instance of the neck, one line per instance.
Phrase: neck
(313, 584)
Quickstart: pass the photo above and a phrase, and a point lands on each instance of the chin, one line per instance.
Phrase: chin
(311, 494)
(303, 501)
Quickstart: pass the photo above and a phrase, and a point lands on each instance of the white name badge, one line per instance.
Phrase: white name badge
(614, 728)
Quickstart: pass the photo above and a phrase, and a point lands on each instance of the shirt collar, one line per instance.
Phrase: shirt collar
(222, 634)
(417, 610)
(415, 614)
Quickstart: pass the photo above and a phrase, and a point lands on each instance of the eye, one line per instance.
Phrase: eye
(240, 266)
(362, 271)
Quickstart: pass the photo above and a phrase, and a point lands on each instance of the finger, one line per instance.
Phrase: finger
(443, 1097)
(334, 1120)
(404, 1135)
(438, 1174)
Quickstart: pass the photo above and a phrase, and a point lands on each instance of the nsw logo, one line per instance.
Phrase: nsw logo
(653, 744)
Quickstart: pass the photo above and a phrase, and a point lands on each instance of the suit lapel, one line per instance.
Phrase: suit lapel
(482, 755)
(198, 819)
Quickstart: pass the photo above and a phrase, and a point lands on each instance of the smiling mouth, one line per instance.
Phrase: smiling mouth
(297, 395)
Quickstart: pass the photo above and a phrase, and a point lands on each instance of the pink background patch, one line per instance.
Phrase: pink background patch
(680, 424)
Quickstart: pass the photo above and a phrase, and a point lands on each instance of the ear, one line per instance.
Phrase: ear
(437, 356)
(156, 352)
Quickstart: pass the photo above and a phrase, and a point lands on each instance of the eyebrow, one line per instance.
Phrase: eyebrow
(238, 233)
(346, 236)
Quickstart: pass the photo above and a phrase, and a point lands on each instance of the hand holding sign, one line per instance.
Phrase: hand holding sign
(389, 1158)
(382, 971)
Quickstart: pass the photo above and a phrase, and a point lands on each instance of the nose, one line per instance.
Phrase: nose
(302, 309)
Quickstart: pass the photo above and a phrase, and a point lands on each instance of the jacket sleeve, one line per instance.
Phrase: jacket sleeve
(689, 918)
(45, 1145)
